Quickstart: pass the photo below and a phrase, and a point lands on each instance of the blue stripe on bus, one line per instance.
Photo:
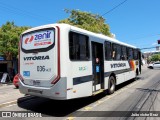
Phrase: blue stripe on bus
(83, 79)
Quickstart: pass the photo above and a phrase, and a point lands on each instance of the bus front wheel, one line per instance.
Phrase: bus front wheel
(111, 85)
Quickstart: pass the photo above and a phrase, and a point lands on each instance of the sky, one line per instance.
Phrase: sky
(136, 22)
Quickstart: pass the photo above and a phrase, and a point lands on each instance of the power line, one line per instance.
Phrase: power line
(114, 8)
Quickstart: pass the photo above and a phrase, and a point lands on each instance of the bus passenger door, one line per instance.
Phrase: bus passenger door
(97, 66)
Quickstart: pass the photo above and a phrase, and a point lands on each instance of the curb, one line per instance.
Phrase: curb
(5, 84)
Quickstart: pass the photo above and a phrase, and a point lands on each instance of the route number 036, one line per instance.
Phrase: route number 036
(41, 68)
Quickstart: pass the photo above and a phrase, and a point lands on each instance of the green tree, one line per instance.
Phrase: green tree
(9, 39)
(155, 57)
(88, 21)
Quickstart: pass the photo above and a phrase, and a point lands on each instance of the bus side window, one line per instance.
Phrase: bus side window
(135, 54)
(78, 46)
(118, 56)
(130, 53)
(113, 55)
(124, 53)
(114, 50)
(127, 50)
(108, 50)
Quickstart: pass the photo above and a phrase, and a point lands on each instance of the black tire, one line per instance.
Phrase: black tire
(150, 67)
(111, 85)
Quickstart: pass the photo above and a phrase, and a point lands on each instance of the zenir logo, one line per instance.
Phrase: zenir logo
(29, 40)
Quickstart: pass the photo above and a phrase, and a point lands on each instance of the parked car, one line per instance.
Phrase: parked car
(15, 81)
(154, 65)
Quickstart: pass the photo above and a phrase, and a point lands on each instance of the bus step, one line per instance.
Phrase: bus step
(97, 92)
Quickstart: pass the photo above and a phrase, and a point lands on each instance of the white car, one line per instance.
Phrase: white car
(154, 65)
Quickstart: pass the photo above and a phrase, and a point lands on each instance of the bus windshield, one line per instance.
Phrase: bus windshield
(38, 40)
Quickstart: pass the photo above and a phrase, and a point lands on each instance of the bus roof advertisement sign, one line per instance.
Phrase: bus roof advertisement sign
(37, 40)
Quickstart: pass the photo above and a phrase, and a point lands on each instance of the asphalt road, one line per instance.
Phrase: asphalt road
(136, 95)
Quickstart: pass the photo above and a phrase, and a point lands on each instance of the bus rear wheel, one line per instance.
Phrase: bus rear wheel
(111, 85)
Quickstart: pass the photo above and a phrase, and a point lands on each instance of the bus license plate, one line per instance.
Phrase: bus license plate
(35, 82)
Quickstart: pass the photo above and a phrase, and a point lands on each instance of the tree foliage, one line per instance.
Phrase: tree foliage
(155, 57)
(9, 39)
(88, 21)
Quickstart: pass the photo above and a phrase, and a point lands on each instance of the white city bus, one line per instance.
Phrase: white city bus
(60, 61)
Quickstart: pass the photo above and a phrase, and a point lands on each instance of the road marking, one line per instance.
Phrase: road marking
(99, 91)
(14, 102)
(8, 103)
(70, 118)
(88, 108)
(11, 105)
(100, 101)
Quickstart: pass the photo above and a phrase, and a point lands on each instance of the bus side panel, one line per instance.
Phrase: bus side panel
(119, 68)
(120, 78)
(106, 82)
(80, 90)
(64, 52)
(79, 79)
(74, 69)
(129, 75)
